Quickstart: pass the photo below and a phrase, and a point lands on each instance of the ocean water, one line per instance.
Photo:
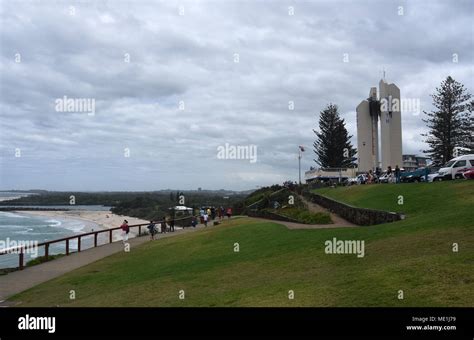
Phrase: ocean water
(68, 207)
(22, 227)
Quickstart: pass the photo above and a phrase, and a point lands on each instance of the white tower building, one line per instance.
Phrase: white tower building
(390, 125)
(387, 108)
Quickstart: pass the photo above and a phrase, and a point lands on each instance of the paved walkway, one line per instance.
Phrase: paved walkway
(18, 281)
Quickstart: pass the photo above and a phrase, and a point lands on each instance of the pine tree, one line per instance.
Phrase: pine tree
(470, 124)
(333, 146)
(450, 123)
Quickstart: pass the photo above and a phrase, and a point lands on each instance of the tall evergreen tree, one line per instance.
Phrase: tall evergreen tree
(332, 145)
(470, 138)
(450, 123)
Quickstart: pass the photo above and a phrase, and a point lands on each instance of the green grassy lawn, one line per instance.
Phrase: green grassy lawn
(414, 255)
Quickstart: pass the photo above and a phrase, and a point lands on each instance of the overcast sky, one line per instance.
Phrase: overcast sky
(139, 59)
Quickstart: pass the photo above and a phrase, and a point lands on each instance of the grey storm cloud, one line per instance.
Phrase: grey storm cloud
(139, 60)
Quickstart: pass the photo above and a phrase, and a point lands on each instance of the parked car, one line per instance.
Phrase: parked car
(384, 177)
(412, 179)
(352, 181)
(414, 176)
(432, 177)
(455, 167)
(469, 174)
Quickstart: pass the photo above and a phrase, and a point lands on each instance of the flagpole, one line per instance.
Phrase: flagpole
(299, 164)
(300, 154)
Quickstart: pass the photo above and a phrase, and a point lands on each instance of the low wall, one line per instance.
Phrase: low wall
(271, 216)
(359, 216)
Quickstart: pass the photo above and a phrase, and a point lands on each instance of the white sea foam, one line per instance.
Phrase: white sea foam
(24, 232)
(42, 228)
(74, 225)
(54, 223)
(12, 215)
(12, 226)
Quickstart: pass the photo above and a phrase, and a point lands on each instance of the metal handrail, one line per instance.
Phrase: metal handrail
(21, 249)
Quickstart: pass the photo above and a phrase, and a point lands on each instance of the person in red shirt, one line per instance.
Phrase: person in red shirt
(125, 231)
(229, 212)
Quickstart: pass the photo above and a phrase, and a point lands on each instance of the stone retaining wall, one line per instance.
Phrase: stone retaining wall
(359, 216)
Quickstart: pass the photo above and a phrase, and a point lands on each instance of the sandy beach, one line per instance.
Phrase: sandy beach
(99, 219)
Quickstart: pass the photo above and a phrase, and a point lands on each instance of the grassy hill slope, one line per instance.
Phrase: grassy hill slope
(414, 255)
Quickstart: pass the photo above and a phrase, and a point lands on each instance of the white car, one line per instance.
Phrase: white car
(384, 178)
(455, 167)
(352, 181)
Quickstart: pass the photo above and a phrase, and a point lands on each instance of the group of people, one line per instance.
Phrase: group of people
(164, 227)
(168, 225)
(152, 229)
(393, 175)
(211, 213)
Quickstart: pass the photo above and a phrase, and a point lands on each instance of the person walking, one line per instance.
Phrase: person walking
(172, 224)
(397, 174)
(378, 173)
(194, 222)
(152, 229)
(163, 225)
(205, 217)
(370, 177)
(125, 231)
(229, 212)
(389, 174)
(220, 213)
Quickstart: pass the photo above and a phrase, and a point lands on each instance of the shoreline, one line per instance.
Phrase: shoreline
(93, 220)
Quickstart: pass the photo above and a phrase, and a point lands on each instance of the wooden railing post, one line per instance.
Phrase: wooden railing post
(110, 236)
(46, 251)
(95, 240)
(67, 247)
(139, 230)
(21, 259)
(79, 244)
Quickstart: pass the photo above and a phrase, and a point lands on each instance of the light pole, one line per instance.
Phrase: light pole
(300, 154)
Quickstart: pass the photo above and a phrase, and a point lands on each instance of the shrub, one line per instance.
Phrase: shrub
(42, 259)
(305, 216)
